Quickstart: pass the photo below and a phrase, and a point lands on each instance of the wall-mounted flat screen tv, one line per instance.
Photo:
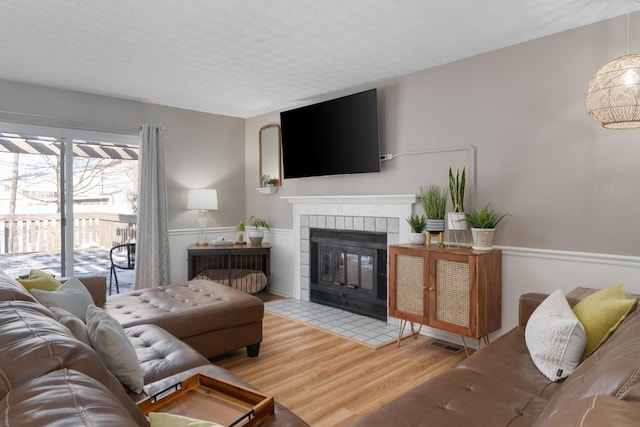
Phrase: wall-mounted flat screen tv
(334, 137)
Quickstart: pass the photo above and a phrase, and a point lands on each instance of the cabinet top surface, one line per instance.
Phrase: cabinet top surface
(447, 249)
(233, 247)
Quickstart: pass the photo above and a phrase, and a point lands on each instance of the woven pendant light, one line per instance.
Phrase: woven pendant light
(613, 96)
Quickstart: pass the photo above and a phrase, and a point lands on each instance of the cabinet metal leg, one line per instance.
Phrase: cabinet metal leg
(484, 339)
(414, 333)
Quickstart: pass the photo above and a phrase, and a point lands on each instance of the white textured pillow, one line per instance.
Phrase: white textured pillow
(72, 296)
(75, 325)
(555, 337)
(109, 340)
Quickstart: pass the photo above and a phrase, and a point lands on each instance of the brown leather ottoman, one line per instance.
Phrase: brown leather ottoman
(210, 317)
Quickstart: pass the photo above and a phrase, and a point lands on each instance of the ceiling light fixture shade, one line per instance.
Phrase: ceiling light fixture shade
(613, 96)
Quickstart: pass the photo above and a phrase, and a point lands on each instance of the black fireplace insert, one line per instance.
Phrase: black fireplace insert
(348, 270)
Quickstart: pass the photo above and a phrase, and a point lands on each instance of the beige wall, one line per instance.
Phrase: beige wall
(569, 184)
(202, 150)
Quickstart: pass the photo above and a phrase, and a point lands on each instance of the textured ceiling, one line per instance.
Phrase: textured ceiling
(246, 57)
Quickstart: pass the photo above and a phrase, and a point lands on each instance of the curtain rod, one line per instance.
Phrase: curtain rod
(94, 122)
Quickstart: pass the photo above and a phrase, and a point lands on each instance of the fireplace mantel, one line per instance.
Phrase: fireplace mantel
(384, 213)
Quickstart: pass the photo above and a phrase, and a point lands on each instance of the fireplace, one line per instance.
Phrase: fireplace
(383, 214)
(348, 270)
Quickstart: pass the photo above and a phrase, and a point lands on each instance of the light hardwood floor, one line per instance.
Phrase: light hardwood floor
(329, 380)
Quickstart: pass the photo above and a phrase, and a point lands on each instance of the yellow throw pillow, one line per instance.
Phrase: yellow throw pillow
(164, 419)
(39, 280)
(601, 313)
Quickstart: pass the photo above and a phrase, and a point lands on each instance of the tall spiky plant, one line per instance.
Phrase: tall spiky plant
(434, 201)
(456, 188)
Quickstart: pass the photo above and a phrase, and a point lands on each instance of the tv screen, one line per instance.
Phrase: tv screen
(334, 137)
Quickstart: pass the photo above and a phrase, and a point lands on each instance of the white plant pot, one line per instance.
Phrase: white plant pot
(417, 238)
(456, 221)
(435, 225)
(256, 236)
(482, 238)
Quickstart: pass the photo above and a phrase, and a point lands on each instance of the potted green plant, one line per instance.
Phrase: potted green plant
(256, 232)
(418, 223)
(457, 183)
(240, 233)
(434, 203)
(483, 225)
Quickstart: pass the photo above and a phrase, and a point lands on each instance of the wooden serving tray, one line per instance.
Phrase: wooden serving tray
(211, 399)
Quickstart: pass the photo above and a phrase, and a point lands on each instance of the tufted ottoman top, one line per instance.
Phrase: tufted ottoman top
(187, 309)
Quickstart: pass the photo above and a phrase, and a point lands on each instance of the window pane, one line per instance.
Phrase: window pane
(29, 204)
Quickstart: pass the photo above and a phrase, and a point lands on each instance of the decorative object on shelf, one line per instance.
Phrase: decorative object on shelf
(256, 232)
(613, 94)
(203, 200)
(434, 203)
(269, 189)
(240, 234)
(483, 226)
(418, 224)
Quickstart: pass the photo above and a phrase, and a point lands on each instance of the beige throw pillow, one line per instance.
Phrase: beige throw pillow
(109, 340)
(75, 325)
(555, 337)
(72, 296)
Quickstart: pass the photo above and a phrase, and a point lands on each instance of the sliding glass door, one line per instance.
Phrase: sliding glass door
(66, 198)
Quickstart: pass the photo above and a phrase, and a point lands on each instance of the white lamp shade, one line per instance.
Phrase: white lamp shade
(202, 199)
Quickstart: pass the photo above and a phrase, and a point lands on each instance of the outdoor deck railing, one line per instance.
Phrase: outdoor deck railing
(41, 232)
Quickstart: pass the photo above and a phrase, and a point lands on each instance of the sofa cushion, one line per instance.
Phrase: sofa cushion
(601, 313)
(71, 296)
(75, 325)
(66, 397)
(595, 411)
(114, 348)
(160, 354)
(611, 370)
(34, 344)
(555, 337)
(11, 290)
(38, 279)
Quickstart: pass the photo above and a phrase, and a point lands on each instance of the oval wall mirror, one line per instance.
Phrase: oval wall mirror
(270, 155)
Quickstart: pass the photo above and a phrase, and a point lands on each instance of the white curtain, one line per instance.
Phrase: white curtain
(152, 239)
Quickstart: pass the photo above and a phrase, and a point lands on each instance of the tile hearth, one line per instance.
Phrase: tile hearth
(365, 330)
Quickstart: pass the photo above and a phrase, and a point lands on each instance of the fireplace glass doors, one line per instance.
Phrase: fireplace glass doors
(350, 267)
(348, 271)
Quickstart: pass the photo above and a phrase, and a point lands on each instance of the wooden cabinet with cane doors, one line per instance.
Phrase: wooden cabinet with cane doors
(458, 290)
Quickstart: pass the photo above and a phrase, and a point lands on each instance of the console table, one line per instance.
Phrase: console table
(457, 290)
(244, 267)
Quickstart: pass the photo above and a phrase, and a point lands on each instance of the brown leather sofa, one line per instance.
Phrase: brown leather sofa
(499, 385)
(48, 377)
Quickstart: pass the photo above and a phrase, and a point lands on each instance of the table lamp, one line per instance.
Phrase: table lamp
(203, 200)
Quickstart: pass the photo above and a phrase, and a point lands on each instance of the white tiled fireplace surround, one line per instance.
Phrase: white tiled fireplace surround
(376, 213)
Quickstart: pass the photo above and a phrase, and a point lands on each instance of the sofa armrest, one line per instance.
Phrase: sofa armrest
(531, 300)
(97, 287)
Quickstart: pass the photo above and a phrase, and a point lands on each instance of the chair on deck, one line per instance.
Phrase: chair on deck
(129, 249)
